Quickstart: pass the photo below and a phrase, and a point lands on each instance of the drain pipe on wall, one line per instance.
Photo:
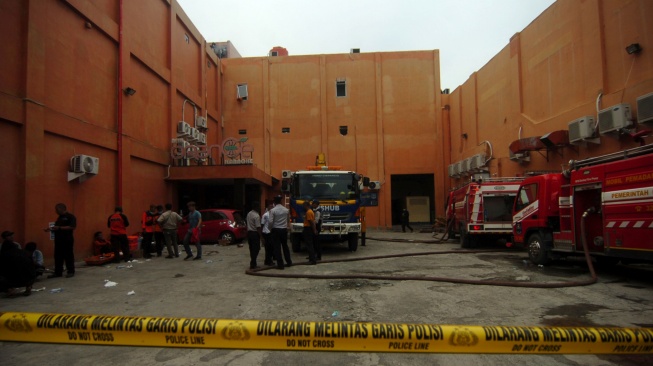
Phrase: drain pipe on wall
(120, 97)
(491, 152)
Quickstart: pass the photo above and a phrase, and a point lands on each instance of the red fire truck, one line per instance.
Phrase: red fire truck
(606, 201)
(482, 210)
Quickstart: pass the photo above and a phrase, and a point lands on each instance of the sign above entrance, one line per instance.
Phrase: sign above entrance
(231, 151)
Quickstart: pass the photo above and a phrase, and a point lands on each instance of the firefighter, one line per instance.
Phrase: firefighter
(317, 210)
(309, 232)
(158, 231)
(148, 224)
(118, 224)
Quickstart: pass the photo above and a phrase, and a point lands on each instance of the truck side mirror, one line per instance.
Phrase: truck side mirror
(366, 182)
(285, 186)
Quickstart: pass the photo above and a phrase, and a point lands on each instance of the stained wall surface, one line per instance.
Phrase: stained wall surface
(389, 107)
(61, 80)
(565, 64)
(65, 65)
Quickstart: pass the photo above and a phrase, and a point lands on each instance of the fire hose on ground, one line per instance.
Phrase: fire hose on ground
(264, 271)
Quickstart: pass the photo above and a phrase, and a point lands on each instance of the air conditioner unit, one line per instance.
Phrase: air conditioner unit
(519, 157)
(375, 184)
(84, 164)
(285, 174)
(458, 168)
(202, 138)
(615, 118)
(242, 91)
(180, 142)
(645, 108)
(194, 135)
(466, 166)
(452, 171)
(200, 122)
(183, 129)
(581, 129)
(477, 162)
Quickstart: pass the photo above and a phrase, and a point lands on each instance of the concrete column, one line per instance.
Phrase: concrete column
(35, 214)
(385, 216)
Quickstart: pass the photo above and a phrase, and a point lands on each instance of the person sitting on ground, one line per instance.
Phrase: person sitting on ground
(8, 238)
(100, 244)
(16, 270)
(37, 257)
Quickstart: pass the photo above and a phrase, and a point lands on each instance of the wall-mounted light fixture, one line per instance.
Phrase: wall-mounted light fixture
(634, 48)
(464, 135)
(129, 91)
(344, 130)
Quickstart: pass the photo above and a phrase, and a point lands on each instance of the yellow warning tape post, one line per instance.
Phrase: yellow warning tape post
(319, 336)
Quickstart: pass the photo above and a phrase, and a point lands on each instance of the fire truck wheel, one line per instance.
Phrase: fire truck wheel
(465, 239)
(296, 242)
(452, 231)
(536, 251)
(353, 242)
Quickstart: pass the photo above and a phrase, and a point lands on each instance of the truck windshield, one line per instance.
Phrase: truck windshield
(325, 186)
(527, 194)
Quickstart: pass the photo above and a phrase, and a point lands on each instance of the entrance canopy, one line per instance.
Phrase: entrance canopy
(222, 174)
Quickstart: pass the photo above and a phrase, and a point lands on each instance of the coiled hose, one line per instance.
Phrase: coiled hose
(264, 270)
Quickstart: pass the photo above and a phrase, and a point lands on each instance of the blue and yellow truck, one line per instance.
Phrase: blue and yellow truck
(339, 193)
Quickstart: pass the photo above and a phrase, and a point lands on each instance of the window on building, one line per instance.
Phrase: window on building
(341, 88)
(274, 53)
(186, 38)
(242, 132)
(285, 129)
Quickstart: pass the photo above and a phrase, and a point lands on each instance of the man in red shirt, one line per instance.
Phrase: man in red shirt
(118, 224)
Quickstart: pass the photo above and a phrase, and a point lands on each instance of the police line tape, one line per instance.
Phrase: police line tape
(319, 336)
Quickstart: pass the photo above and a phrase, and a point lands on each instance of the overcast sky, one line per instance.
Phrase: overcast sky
(468, 33)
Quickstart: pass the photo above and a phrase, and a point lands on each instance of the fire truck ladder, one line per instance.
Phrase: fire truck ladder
(630, 153)
(501, 180)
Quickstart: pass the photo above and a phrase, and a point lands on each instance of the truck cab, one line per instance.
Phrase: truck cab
(339, 196)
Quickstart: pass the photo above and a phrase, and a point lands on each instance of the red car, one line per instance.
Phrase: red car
(217, 224)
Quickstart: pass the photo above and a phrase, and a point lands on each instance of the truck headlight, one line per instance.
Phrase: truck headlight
(518, 228)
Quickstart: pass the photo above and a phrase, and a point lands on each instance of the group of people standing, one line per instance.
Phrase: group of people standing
(157, 226)
(272, 231)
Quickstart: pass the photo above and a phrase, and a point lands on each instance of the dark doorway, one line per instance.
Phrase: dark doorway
(237, 195)
(413, 187)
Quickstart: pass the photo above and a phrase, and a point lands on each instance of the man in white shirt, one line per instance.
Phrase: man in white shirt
(267, 236)
(254, 236)
(169, 221)
(279, 227)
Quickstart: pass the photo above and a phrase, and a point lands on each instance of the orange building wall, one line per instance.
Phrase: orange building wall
(550, 74)
(59, 97)
(390, 111)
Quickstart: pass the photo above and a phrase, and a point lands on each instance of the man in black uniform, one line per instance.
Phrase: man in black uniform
(63, 241)
(405, 220)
